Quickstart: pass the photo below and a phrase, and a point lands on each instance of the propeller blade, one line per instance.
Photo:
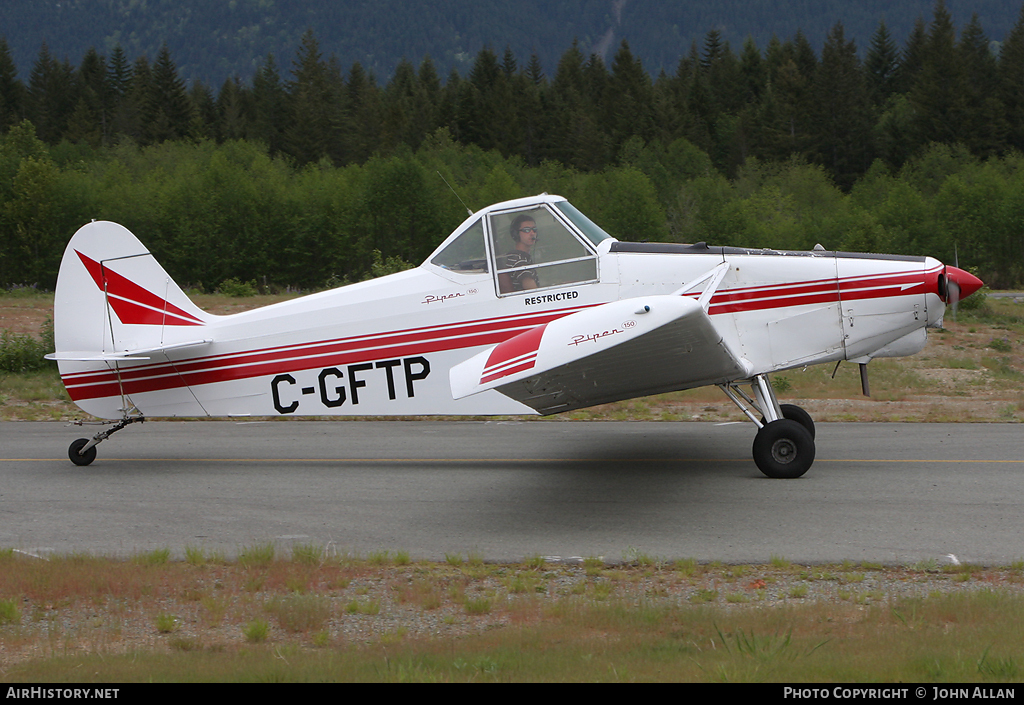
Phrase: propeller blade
(959, 285)
(953, 295)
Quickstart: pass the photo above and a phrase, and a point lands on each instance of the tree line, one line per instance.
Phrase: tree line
(298, 180)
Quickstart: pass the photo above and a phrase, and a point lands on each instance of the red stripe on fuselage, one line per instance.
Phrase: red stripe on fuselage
(818, 292)
(268, 361)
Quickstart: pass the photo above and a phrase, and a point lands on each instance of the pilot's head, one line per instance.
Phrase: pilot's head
(524, 224)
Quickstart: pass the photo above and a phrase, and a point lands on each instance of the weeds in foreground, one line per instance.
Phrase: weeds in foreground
(301, 613)
(167, 623)
(9, 612)
(583, 623)
(261, 555)
(256, 631)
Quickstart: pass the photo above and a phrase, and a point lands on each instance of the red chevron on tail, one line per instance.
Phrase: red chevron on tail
(132, 303)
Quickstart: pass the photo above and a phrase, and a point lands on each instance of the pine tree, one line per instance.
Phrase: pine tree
(985, 128)
(119, 73)
(534, 70)
(912, 57)
(628, 99)
(361, 116)
(840, 121)
(576, 138)
(128, 118)
(938, 95)
(167, 111)
(206, 115)
(701, 124)
(753, 69)
(12, 91)
(509, 66)
(881, 65)
(712, 49)
(484, 112)
(399, 100)
(534, 115)
(310, 132)
(270, 106)
(1011, 83)
(51, 96)
(231, 118)
(91, 118)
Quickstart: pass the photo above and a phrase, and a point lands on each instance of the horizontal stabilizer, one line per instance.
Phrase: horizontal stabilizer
(145, 354)
(616, 351)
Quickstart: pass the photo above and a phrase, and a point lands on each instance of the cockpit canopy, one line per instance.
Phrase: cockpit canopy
(533, 243)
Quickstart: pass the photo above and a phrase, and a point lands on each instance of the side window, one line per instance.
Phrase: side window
(465, 254)
(534, 250)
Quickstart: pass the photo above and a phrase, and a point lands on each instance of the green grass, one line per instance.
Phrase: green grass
(167, 623)
(256, 631)
(257, 555)
(155, 557)
(308, 553)
(9, 612)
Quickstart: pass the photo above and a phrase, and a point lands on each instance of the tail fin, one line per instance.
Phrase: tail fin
(114, 301)
(116, 314)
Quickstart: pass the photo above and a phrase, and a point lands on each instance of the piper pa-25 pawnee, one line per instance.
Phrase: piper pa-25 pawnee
(527, 308)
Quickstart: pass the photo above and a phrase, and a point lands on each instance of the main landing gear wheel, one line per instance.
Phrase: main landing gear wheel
(79, 458)
(783, 449)
(796, 413)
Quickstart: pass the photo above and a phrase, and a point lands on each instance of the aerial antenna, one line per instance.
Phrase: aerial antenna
(456, 194)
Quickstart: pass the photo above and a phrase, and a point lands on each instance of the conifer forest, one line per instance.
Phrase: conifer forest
(312, 173)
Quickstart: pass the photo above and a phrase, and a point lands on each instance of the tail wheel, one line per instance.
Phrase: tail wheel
(79, 458)
(783, 449)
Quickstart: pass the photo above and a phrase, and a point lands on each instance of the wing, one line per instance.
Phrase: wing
(616, 351)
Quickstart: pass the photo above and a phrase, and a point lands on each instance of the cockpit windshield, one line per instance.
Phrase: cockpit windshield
(466, 253)
(533, 243)
(588, 227)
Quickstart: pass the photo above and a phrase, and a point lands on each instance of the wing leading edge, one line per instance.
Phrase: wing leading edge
(611, 352)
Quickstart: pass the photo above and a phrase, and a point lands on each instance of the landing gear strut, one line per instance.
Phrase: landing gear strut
(83, 451)
(784, 444)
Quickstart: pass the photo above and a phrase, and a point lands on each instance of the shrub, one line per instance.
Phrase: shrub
(233, 287)
(21, 353)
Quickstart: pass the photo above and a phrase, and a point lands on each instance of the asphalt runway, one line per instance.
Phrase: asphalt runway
(888, 493)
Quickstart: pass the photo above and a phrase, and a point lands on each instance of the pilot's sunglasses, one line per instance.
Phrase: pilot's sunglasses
(527, 230)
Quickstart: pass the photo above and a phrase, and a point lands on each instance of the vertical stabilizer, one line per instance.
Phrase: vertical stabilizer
(115, 307)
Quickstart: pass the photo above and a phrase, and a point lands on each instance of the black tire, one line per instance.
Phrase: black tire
(783, 449)
(796, 413)
(81, 458)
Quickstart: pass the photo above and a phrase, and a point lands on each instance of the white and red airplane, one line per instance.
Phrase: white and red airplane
(527, 308)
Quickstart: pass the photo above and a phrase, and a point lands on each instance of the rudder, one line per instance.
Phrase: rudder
(113, 300)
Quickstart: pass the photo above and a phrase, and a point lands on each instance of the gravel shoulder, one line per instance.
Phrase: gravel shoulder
(177, 606)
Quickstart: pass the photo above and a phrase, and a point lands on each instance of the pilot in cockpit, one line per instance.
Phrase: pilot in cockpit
(524, 234)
